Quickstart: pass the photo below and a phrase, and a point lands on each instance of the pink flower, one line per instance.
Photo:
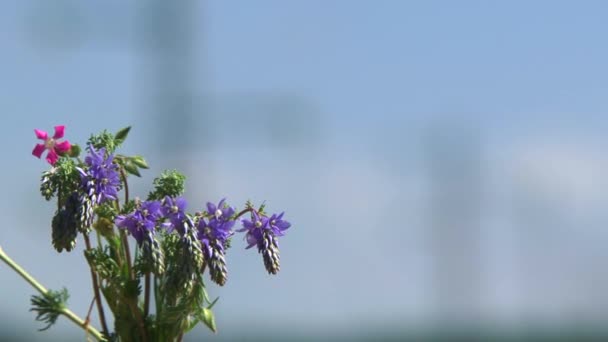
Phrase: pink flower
(55, 148)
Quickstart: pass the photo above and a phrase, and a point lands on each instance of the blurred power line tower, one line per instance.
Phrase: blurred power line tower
(170, 66)
(454, 167)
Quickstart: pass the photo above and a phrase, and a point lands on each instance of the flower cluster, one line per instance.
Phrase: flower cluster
(142, 222)
(174, 246)
(263, 232)
(214, 228)
(100, 180)
(174, 209)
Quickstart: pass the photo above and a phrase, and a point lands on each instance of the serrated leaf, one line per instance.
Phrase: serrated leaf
(49, 306)
(131, 168)
(206, 316)
(121, 135)
(140, 161)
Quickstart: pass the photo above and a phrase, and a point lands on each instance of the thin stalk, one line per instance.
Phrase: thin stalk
(95, 281)
(36, 285)
(139, 318)
(123, 234)
(125, 244)
(147, 295)
(123, 175)
(243, 212)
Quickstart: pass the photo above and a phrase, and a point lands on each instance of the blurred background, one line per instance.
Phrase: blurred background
(442, 163)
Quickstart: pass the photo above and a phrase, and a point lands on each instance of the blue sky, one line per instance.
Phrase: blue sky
(368, 79)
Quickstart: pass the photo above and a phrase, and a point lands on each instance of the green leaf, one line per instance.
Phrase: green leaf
(191, 322)
(213, 303)
(121, 135)
(131, 168)
(74, 151)
(49, 307)
(170, 183)
(206, 316)
(140, 161)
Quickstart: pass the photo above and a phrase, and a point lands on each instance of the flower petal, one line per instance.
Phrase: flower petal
(63, 146)
(52, 157)
(41, 134)
(38, 149)
(59, 132)
(181, 203)
(283, 225)
(211, 208)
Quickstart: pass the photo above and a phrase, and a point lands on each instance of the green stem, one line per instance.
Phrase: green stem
(125, 244)
(147, 295)
(124, 181)
(96, 292)
(123, 234)
(35, 284)
(243, 212)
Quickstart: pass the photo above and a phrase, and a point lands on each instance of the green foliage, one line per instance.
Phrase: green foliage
(74, 151)
(108, 140)
(206, 316)
(139, 161)
(131, 168)
(103, 139)
(170, 183)
(61, 180)
(187, 311)
(103, 264)
(128, 207)
(49, 306)
(121, 135)
(132, 164)
(106, 210)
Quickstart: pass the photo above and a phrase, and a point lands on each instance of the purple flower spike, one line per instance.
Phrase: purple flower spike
(100, 180)
(254, 229)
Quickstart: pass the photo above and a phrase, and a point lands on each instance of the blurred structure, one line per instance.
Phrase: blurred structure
(456, 180)
(168, 78)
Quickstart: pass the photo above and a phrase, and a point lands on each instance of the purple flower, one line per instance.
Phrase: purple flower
(254, 229)
(222, 211)
(219, 225)
(174, 210)
(213, 230)
(278, 225)
(100, 180)
(142, 221)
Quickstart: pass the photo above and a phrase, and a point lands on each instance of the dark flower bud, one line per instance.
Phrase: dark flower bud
(215, 258)
(269, 247)
(65, 224)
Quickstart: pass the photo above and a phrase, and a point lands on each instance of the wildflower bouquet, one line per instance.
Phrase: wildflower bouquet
(155, 292)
